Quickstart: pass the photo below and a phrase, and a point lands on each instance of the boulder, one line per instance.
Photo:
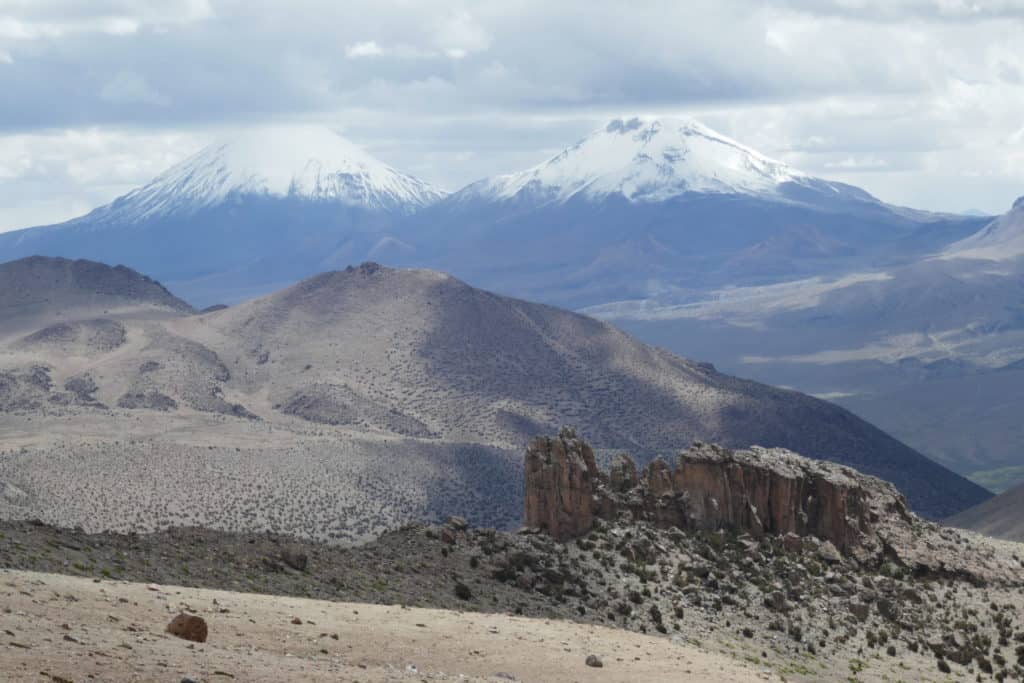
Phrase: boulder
(188, 627)
(860, 610)
(827, 552)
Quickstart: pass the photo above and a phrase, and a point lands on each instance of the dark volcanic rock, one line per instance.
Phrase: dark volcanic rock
(149, 400)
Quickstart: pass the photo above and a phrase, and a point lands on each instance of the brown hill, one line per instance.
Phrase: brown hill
(420, 353)
(38, 289)
(358, 400)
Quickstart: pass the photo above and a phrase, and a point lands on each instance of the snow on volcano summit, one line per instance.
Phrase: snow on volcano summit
(645, 160)
(283, 161)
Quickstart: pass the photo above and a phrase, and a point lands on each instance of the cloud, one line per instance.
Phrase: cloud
(459, 34)
(130, 88)
(46, 177)
(368, 48)
(886, 94)
(41, 19)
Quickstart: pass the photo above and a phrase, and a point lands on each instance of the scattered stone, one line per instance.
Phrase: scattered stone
(828, 553)
(887, 608)
(458, 523)
(792, 543)
(295, 559)
(860, 610)
(188, 627)
(594, 661)
(776, 601)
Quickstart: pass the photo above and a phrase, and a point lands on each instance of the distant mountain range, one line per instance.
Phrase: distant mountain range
(932, 351)
(640, 204)
(675, 232)
(413, 358)
(645, 205)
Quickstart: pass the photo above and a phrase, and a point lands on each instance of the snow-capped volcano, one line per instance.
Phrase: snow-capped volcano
(263, 206)
(284, 161)
(645, 160)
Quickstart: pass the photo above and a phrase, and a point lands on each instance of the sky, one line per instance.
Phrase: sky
(921, 102)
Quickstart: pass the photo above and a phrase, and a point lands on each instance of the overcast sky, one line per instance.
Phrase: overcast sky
(921, 102)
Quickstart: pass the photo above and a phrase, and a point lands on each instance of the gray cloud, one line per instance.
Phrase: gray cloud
(875, 92)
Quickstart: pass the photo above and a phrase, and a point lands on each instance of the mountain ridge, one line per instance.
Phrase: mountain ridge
(644, 159)
(419, 355)
(35, 286)
(1000, 240)
(640, 203)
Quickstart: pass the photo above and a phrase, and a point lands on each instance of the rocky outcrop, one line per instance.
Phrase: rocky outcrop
(757, 491)
(560, 474)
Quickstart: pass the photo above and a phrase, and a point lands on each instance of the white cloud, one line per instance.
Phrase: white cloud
(459, 34)
(38, 19)
(918, 101)
(52, 176)
(368, 48)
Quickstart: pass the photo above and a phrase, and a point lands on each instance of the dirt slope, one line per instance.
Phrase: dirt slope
(60, 628)
(1002, 516)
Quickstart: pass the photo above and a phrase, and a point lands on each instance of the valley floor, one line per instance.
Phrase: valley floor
(63, 628)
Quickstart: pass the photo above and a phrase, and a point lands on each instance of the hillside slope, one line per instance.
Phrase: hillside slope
(423, 354)
(900, 346)
(358, 399)
(1001, 517)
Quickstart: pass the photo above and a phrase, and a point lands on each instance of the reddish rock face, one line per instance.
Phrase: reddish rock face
(775, 491)
(559, 476)
(756, 491)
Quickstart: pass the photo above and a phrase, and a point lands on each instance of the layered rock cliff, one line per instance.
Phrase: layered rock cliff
(560, 475)
(756, 491)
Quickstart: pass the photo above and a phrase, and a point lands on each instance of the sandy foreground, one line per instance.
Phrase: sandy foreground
(63, 628)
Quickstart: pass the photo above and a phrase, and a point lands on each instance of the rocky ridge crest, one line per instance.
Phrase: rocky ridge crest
(756, 492)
